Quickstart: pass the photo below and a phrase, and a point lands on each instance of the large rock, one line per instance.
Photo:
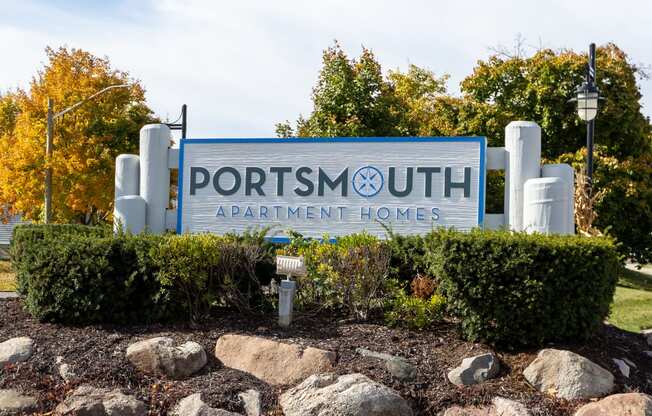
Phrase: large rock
(159, 356)
(399, 367)
(347, 395)
(90, 401)
(193, 405)
(568, 375)
(629, 404)
(470, 411)
(475, 370)
(15, 350)
(506, 407)
(251, 401)
(12, 402)
(274, 362)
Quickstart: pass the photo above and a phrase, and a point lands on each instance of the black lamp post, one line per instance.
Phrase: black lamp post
(587, 97)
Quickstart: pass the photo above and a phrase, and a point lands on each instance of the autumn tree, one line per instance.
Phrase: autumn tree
(86, 141)
(539, 87)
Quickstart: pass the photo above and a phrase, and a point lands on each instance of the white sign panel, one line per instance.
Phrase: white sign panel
(333, 186)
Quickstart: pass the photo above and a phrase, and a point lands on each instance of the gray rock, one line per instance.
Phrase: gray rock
(647, 333)
(397, 366)
(475, 370)
(622, 366)
(401, 369)
(193, 405)
(16, 350)
(251, 401)
(470, 411)
(12, 402)
(634, 404)
(347, 395)
(90, 401)
(567, 375)
(506, 407)
(159, 356)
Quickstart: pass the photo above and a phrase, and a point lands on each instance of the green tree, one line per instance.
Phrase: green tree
(538, 88)
(86, 141)
(351, 98)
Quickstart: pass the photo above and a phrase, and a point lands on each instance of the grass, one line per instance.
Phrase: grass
(632, 306)
(7, 281)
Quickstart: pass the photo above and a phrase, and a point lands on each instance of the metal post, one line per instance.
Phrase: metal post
(48, 169)
(590, 80)
(184, 124)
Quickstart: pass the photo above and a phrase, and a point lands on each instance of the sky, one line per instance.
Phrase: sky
(243, 65)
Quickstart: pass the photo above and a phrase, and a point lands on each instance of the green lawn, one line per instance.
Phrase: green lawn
(7, 283)
(632, 306)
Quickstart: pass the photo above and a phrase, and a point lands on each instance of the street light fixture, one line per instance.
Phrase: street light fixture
(587, 98)
(49, 145)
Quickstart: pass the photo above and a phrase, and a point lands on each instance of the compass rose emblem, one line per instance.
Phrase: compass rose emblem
(367, 181)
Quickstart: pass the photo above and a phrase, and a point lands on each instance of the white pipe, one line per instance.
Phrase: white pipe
(523, 147)
(154, 174)
(546, 206)
(129, 214)
(127, 175)
(567, 174)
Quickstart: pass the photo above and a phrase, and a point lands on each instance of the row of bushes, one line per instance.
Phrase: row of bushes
(505, 288)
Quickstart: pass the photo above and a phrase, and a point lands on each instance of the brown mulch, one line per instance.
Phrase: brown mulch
(96, 355)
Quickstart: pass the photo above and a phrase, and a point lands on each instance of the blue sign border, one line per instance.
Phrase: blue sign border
(464, 139)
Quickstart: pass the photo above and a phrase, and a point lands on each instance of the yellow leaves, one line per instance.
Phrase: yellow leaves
(85, 140)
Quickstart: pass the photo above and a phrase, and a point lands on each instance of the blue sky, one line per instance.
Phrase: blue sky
(241, 66)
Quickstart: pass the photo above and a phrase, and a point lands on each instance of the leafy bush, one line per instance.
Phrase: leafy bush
(414, 312)
(519, 289)
(627, 188)
(199, 272)
(352, 272)
(79, 275)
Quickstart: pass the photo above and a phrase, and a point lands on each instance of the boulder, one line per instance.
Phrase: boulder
(12, 402)
(347, 395)
(630, 404)
(193, 405)
(15, 350)
(274, 362)
(397, 366)
(469, 411)
(475, 370)
(251, 401)
(506, 407)
(159, 356)
(567, 375)
(622, 366)
(90, 401)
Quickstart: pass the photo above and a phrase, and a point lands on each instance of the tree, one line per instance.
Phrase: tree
(351, 98)
(539, 87)
(86, 141)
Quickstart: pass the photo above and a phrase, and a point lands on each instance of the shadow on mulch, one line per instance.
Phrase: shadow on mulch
(96, 355)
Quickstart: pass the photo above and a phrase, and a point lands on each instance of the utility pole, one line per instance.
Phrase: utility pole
(48, 169)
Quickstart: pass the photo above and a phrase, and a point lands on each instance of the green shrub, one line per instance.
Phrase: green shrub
(200, 272)
(414, 312)
(517, 289)
(77, 275)
(350, 273)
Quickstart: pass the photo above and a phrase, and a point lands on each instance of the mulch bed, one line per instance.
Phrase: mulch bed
(96, 354)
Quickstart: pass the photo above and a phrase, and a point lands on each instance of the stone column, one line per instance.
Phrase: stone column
(567, 174)
(154, 174)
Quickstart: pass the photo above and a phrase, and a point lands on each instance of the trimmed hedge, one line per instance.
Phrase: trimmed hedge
(505, 288)
(516, 289)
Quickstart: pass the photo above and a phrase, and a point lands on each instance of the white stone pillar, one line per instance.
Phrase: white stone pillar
(523, 147)
(154, 174)
(127, 175)
(566, 173)
(129, 214)
(545, 206)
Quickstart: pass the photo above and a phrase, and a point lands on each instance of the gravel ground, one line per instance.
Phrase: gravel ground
(96, 355)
